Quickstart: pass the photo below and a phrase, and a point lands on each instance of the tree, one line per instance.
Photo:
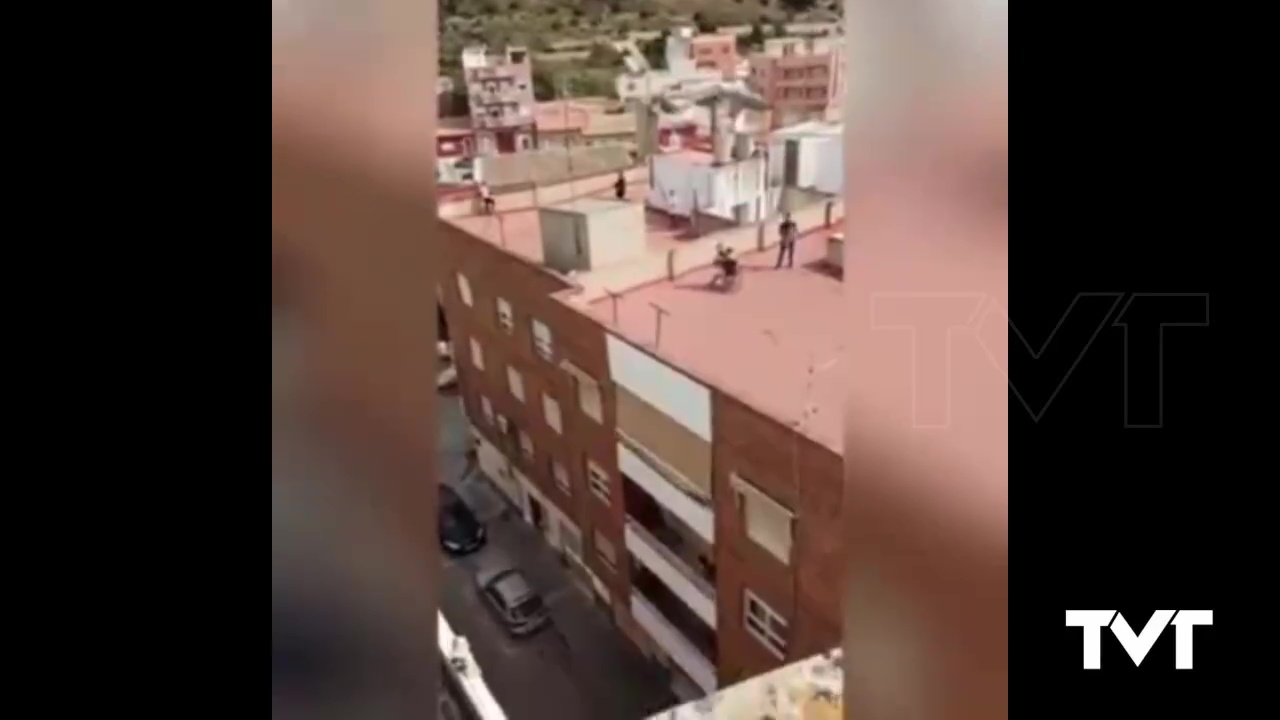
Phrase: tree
(655, 51)
(797, 6)
(603, 55)
(703, 23)
(544, 83)
(755, 40)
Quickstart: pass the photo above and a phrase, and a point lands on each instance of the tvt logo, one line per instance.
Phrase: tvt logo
(1138, 645)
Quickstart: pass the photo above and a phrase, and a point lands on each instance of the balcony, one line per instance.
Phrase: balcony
(681, 635)
(666, 487)
(673, 560)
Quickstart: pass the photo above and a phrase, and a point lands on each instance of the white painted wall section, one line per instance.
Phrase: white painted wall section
(679, 397)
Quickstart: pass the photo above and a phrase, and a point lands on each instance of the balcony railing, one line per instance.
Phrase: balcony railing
(673, 642)
(692, 511)
(684, 581)
(665, 469)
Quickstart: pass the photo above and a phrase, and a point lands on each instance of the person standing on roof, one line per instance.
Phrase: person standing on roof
(486, 199)
(786, 241)
(620, 187)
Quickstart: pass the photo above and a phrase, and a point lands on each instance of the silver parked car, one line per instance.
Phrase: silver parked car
(509, 595)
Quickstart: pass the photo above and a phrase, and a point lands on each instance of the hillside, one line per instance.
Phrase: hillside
(562, 32)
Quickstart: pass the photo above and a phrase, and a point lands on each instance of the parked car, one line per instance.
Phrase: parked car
(510, 596)
(461, 532)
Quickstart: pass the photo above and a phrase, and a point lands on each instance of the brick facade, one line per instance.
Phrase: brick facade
(807, 479)
(492, 273)
(797, 473)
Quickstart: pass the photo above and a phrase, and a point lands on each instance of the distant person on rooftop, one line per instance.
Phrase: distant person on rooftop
(486, 198)
(787, 241)
(620, 187)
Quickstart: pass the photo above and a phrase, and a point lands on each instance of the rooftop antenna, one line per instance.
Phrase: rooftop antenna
(613, 300)
(659, 311)
(568, 146)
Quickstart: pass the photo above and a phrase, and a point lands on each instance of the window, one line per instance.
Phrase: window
(541, 339)
(560, 474)
(506, 318)
(767, 523)
(515, 383)
(464, 289)
(551, 410)
(504, 425)
(764, 624)
(526, 446)
(589, 399)
(486, 409)
(605, 551)
(571, 540)
(477, 354)
(599, 481)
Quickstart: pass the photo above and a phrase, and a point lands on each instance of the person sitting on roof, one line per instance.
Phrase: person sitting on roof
(727, 267)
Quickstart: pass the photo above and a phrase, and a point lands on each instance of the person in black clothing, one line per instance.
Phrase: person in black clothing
(620, 187)
(787, 241)
(728, 266)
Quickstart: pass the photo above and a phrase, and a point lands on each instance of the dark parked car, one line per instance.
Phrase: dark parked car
(461, 532)
(509, 595)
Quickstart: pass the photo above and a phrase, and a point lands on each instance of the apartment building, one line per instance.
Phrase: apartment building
(801, 78)
(729, 451)
(532, 371)
(706, 479)
(642, 82)
(500, 94)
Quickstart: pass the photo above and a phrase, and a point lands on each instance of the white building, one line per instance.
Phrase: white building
(645, 83)
(811, 689)
(809, 156)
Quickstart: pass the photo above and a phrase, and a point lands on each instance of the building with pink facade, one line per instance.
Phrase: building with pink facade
(500, 94)
(802, 79)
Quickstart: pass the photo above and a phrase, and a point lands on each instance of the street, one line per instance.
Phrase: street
(582, 667)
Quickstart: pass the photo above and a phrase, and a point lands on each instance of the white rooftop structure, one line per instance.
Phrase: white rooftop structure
(811, 689)
(814, 152)
(461, 665)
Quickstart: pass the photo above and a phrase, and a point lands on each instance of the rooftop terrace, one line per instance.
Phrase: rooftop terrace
(520, 232)
(772, 342)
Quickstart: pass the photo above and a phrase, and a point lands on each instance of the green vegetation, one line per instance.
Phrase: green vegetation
(568, 26)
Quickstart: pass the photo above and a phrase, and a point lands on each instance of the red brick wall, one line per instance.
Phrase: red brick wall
(492, 273)
(807, 479)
